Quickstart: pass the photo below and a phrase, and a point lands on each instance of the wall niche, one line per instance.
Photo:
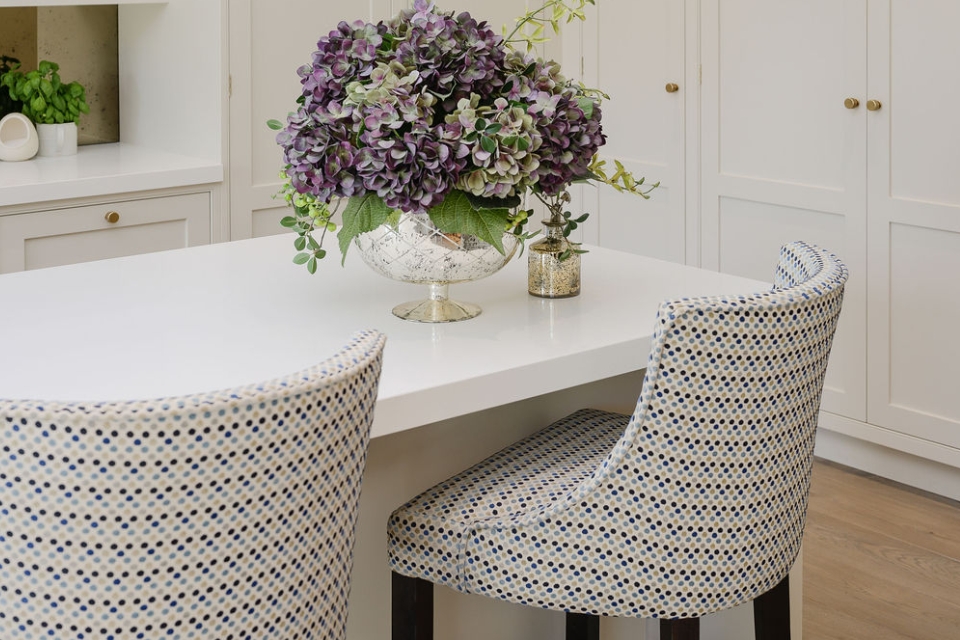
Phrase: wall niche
(83, 41)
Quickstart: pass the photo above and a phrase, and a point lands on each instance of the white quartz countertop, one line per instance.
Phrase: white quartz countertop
(217, 316)
(101, 168)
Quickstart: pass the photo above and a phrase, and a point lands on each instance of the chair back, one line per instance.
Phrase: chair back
(221, 515)
(716, 460)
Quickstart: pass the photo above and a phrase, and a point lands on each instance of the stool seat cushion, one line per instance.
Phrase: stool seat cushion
(446, 535)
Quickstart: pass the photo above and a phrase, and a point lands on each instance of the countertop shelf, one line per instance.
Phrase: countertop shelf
(102, 169)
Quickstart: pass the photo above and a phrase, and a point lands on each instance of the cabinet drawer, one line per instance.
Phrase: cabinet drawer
(80, 234)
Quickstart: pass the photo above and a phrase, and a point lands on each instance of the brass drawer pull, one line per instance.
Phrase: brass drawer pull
(873, 105)
(672, 87)
(112, 217)
(851, 103)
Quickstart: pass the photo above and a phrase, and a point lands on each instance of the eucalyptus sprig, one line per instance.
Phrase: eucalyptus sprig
(310, 215)
(530, 27)
(621, 180)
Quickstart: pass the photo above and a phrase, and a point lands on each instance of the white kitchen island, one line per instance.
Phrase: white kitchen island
(222, 315)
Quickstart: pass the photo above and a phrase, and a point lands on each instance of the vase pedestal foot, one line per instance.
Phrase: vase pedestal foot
(437, 308)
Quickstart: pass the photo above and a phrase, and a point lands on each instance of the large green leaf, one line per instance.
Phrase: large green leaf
(362, 213)
(457, 215)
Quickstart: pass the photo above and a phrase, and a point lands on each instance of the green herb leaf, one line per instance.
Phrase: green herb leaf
(300, 243)
(276, 125)
(301, 258)
(288, 221)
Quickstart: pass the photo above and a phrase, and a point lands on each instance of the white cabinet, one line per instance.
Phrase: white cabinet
(782, 157)
(632, 51)
(105, 230)
(913, 198)
(786, 155)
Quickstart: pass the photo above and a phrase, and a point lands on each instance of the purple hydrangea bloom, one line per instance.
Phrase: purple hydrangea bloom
(428, 102)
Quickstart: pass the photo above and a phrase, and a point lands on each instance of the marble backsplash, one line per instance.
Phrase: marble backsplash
(83, 41)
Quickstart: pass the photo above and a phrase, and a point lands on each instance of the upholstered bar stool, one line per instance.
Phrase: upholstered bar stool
(225, 515)
(694, 504)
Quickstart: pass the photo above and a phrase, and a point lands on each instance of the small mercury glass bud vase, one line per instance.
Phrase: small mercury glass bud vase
(553, 264)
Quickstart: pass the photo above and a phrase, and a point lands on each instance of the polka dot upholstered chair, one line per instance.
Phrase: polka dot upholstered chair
(227, 515)
(694, 504)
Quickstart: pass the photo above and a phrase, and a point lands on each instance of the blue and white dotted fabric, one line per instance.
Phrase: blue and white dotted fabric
(225, 515)
(694, 504)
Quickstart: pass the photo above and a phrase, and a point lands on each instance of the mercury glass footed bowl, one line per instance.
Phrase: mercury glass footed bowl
(416, 251)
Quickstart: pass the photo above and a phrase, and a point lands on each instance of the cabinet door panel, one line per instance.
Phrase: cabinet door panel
(922, 99)
(782, 158)
(80, 234)
(914, 229)
(631, 50)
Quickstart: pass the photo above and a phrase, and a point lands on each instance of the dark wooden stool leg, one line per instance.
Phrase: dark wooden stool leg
(771, 613)
(684, 629)
(582, 626)
(412, 608)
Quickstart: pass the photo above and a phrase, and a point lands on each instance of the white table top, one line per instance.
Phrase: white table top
(204, 318)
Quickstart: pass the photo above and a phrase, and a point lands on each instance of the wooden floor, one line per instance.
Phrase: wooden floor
(880, 560)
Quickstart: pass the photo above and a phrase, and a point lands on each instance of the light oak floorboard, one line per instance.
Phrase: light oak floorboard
(881, 561)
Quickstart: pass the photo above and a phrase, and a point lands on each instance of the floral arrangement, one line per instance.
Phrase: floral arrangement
(435, 113)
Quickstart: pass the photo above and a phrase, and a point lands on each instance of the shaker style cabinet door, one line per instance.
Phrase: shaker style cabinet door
(913, 198)
(783, 126)
(634, 52)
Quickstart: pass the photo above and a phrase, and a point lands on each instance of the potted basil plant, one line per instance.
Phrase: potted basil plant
(53, 105)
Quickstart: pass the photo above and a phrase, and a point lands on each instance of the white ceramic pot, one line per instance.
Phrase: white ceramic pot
(58, 139)
(18, 138)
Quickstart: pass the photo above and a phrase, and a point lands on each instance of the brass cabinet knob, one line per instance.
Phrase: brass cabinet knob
(873, 105)
(672, 87)
(112, 217)
(851, 103)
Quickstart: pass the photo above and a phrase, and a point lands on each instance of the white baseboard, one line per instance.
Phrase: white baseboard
(842, 440)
